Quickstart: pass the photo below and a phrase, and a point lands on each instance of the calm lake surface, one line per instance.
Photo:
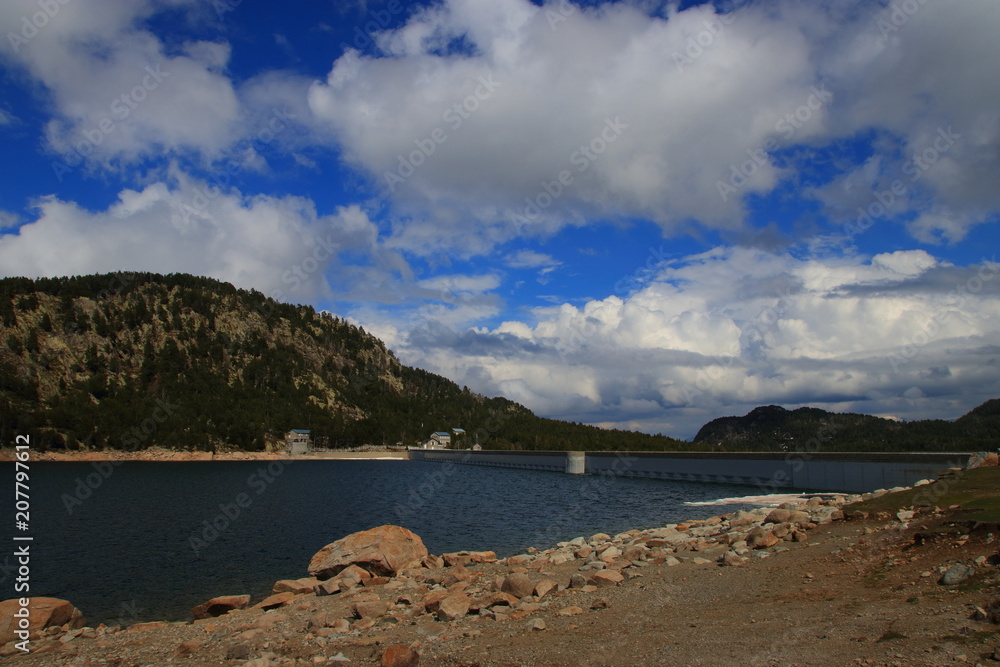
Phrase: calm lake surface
(151, 540)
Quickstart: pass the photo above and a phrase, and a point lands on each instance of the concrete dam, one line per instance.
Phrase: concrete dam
(770, 472)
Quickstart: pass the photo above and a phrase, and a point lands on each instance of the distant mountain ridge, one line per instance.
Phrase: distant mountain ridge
(132, 360)
(773, 428)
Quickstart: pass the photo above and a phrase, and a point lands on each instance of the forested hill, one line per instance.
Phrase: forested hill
(132, 360)
(773, 428)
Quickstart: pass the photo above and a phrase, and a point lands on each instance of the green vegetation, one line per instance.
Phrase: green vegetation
(976, 492)
(773, 428)
(131, 360)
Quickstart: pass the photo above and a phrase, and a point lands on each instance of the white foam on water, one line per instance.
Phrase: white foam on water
(770, 500)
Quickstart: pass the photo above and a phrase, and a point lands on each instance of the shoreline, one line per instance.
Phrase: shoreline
(170, 456)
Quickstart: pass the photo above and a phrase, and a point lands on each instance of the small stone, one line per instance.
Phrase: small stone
(305, 585)
(238, 652)
(275, 601)
(371, 609)
(603, 603)
(698, 560)
(671, 562)
(570, 611)
(185, 649)
(733, 559)
(610, 554)
(606, 578)
(544, 586)
(221, 605)
(518, 585)
(956, 575)
(537, 625)
(453, 607)
(148, 625)
(577, 581)
(399, 655)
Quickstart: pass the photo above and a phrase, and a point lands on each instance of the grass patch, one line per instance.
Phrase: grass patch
(976, 491)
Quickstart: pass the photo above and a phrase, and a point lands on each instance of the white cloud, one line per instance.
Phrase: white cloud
(278, 245)
(8, 220)
(701, 94)
(532, 259)
(732, 328)
(533, 102)
(455, 284)
(118, 92)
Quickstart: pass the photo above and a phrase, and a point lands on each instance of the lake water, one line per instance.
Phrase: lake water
(142, 541)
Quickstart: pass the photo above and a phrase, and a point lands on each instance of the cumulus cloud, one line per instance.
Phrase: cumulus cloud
(278, 245)
(120, 95)
(606, 98)
(118, 92)
(920, 77)
(850, 334)
(700, 102)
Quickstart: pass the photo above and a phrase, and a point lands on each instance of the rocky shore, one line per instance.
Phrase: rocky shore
(839, 580)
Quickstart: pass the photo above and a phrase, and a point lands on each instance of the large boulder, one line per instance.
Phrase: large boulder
(42, 613)
(382, 551)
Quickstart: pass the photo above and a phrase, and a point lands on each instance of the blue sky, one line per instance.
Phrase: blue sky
(634, 214)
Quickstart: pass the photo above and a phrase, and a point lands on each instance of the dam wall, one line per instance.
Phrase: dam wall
(769, 472)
